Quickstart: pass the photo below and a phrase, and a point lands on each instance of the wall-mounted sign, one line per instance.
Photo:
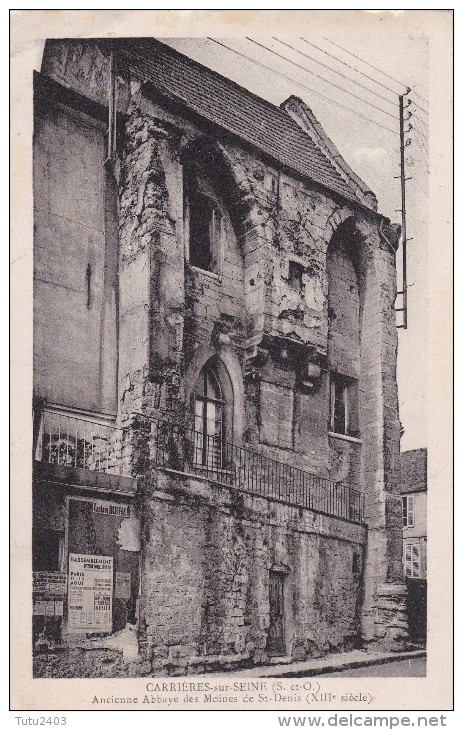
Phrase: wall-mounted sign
(90, 593)
(115, 509)
(49, 583)
(123, 586)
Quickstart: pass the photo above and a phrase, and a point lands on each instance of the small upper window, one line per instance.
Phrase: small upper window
(344, 406)
(203, 221)
(295, 273)
(408, 511)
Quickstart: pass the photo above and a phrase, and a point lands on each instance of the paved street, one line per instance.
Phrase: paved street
(404, 668)
(342, 664)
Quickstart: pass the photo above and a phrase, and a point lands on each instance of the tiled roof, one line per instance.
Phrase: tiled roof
(233, 108)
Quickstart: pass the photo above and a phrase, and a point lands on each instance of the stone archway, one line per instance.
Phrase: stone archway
(383, 617)
(228, 178)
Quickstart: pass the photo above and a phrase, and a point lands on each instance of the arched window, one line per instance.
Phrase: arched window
(344, 330)
(209, 413)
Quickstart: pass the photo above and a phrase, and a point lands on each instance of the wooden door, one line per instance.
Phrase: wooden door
(276, 638)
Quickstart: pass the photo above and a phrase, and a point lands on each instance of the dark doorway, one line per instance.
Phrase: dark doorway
(416, 609)
(276, 635)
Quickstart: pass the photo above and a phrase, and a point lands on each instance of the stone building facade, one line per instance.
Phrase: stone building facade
(216, 431)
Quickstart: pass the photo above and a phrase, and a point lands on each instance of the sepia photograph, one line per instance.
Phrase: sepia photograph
(229, 361)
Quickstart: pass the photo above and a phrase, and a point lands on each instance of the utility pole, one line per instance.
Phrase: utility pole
(403, 144)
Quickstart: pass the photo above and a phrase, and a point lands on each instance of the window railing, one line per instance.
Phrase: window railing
(67, 439)
(189, 451)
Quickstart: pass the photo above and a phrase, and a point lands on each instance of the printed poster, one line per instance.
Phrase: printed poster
(90, 593)
(123, 585)
(49, 583)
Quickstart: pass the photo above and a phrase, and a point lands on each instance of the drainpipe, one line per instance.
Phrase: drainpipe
(112, 108)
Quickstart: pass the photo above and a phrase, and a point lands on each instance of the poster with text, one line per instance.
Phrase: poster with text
(90, 593)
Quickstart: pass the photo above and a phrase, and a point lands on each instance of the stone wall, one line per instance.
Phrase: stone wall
(285, 334)
(278, 220)
(75, 261)
(208, 551)
(413, 471)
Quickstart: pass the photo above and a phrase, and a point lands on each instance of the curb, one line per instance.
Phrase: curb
(322, 665)
(310, 669)
(355, 664)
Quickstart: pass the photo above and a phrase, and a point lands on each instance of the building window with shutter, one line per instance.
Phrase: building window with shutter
(344, 417)
(412, 560)
(408, 511)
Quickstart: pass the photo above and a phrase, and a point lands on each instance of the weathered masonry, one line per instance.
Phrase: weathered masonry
(215, 406)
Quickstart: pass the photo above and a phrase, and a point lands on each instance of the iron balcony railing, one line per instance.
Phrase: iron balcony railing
(85, 442)
(67, 439)
(184, 449)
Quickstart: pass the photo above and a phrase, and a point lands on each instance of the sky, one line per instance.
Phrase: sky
(371, 151)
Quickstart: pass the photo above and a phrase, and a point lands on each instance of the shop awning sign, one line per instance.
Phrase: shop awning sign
(113, 509)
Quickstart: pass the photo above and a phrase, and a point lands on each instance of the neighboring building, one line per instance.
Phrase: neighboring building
(216, 423)
(413, 488)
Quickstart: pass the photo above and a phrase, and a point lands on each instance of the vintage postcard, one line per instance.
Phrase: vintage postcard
(231, 360)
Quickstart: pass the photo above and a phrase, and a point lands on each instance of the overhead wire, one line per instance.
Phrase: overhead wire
(421, 97)
(425, 154)
(417, 112)
(419, 127)
(422, 154)
(417, 106)
(425, 111)
(422, 125)
(420, 186)
(303, 86)
(313, 91)
(367, 63)
(349, 66)
(388, 141)
(423, 139)
(322, 78)
(334, 70)
(397, 81)
(380, 71)
(414, 128)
